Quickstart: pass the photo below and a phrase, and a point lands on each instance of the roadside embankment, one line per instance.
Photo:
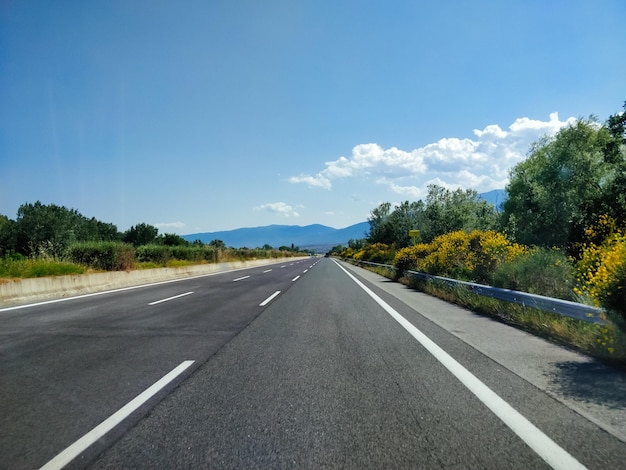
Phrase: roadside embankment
(21, 291)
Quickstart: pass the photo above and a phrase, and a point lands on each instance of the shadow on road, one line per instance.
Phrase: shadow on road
(591, 382)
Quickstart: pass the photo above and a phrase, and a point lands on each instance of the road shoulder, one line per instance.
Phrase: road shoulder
(585, 385)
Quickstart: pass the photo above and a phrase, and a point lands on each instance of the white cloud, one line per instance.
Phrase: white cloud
(166, 225)
(279, 208)
(319, 180)
(480, 163)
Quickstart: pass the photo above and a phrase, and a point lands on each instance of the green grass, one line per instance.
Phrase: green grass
(604, 341)
(26, 268)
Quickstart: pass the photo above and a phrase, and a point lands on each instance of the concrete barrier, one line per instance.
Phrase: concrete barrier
(21, 291)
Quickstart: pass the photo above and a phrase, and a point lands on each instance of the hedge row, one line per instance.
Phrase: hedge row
(117, 256)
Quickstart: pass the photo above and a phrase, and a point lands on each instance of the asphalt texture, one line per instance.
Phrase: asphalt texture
(66, 367)
(324, 378)
(321, 377)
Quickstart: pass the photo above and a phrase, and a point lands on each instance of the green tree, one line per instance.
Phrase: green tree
(615, 155)
(46, 230)
(564, 185)
(141, 234)
(356, 245)
(217, 244)
(171, 239)
(7, 235)
(444, 211)
(449, 211)
(381, 230)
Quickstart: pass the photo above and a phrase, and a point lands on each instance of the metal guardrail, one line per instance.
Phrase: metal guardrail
(547, 304)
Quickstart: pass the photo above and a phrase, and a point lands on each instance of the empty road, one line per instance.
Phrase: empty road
(296, 365)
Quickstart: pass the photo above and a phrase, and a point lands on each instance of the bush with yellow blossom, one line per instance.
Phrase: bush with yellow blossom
(602, 267)
(461, 255)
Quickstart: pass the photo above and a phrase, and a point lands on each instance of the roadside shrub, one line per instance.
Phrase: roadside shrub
(448, 257)
(22, 267)
(408, 259)
(538, 271)
(107, 256)
(159, 254)
(376, 253)
(489, 250)
(469, 256)
(461, 255)
(602, 273)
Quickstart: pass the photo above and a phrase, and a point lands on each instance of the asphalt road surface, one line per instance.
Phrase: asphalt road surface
(297, 365)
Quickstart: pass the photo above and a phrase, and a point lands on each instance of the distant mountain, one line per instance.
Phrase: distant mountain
(309, 236)
(317, 237)
(495, 197)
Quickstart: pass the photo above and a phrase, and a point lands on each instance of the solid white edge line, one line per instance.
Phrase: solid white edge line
(78, 447)
(269, 299)
(295, 278)
(170, 298)
(546, 448)
(241, 278)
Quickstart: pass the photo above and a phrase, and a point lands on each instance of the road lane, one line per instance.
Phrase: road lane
(66, 367)
(325, 378)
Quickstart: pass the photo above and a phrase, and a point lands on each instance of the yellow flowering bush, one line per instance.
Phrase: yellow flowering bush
(462, 255)
(408, 259)
(602, 272)
(450, 256)
(377, 253)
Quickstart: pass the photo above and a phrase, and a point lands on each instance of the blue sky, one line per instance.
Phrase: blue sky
(212, 115)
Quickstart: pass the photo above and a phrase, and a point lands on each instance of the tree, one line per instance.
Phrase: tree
(141, 234)
(381, 230)
(615, 154)
(46, 230)
(171, 239)
(217, 244)
(444, 211)
(564, 186)
(7, 235)
(449, 211)
(356, 245)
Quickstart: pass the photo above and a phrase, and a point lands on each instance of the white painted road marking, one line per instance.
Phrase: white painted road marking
(78, 447)
(546, 448)
(121, 289)
(170, 298)
(240, 278)
(295, 278)
(267, 271)
(304, 272)
(269, 299)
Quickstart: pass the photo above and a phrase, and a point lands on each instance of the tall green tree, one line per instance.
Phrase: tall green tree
(141, 234)
(172, 239)
(46, 230)
(381, 230)
(564, 185)
(443, 211)
(448, 211)
(7, 235)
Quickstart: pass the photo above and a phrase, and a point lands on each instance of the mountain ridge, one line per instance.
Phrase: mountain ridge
(315, 236)
(277, 235)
